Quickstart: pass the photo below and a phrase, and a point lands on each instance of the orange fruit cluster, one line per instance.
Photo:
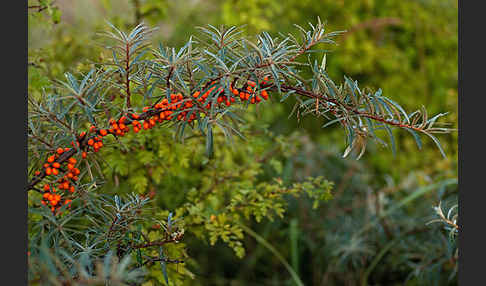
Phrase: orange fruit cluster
(220, 96)
(53, 167)
(52, 198)
(169, 107)
(249, 92)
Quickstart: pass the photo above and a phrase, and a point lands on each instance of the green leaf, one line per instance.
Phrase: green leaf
(392, 138)
(209, 142)
(436, 141)
(163, 265)
(416, 137)
(287, 95)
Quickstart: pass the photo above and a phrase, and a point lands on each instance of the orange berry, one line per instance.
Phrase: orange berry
(82, 134)
(75, 178)
(72, 160)
(71, 189)
(90, 142)
(92, 128)
(84, 155)
(70, 175)
(46, 187)
(76, 171)
(55, 171)
(56, 165)
(66, 149)
(264, 94)
(196, 94)
(48, 171)
(60, 151)
(37, 173)
(50, 159)
(103, 132)
(70, 166)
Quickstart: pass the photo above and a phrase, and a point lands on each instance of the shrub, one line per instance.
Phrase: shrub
(79, 235)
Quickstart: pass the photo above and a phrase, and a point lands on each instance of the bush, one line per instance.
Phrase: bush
(82, 230)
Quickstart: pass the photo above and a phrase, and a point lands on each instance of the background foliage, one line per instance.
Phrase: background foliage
(374, 229)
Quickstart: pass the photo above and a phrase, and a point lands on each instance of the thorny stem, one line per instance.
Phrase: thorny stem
(347, 107)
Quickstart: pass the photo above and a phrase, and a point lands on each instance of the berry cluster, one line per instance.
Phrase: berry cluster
(249, 92)
(56, 165)
(63, 166)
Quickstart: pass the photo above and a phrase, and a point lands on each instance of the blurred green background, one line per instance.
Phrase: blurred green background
(407, 48)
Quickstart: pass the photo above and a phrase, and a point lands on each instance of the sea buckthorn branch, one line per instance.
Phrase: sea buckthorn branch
(128, 47)
(163, 111)
(351, 109)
